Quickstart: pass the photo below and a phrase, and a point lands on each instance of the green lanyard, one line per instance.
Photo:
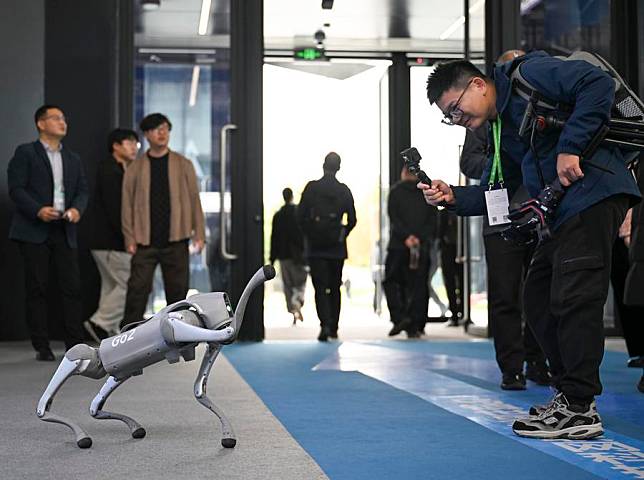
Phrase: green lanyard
(496, 164)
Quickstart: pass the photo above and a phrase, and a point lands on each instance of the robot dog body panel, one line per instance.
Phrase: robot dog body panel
(130, 352)
(172, 333)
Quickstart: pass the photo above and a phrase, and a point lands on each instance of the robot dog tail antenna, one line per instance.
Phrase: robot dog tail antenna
(267, 272)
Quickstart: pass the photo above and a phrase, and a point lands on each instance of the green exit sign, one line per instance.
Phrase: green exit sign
(308, 53)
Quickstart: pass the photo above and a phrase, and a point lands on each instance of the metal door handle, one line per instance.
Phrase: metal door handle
(223, 154)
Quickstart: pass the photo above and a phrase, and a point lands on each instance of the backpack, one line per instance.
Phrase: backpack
(324, 227)
(626, 128)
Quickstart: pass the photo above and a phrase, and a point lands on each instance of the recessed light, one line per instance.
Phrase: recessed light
(150, 4)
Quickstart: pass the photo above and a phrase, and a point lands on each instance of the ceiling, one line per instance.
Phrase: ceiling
(413, 26)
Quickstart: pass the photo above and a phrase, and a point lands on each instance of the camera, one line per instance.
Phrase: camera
(530, 221)
(412, 159)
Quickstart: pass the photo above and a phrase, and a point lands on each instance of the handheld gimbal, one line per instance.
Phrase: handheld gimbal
(172, 333)
(412, 159)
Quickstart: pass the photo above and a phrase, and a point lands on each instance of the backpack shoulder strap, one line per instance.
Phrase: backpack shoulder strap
(529, 93)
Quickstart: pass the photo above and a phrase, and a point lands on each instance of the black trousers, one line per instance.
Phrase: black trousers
(38, 258)
(565, 292)
(452, 278)
(326, 274)
(514, 342)
(631, 317)
(406, 289)
(175, 269)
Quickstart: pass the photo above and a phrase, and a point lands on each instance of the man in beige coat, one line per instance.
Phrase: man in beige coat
(161, 213)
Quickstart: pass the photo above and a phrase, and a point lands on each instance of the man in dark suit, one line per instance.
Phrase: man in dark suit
(412, 226)
(48, 187)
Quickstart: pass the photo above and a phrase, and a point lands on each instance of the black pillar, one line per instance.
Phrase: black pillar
(247, 58)
(502, 28)
(399, 114)
(22, 34)
(626, 40)
(86, 54)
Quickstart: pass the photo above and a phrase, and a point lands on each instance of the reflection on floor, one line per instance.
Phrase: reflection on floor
(422, 409)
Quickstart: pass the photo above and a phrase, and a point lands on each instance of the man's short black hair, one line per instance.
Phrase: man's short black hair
(331, 162)
(118, 135)
(287, 194)
(152, 121)
(448, 75)
(42, 111)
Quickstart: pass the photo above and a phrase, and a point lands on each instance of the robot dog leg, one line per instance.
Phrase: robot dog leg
(96, 408)
(228, 438)
(79, 360)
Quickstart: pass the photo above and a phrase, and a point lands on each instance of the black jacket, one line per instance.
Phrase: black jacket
(409, 214)
(106, 207)
(475, 152)
(635, 279)
(313, 193)
(474, 164)
(287, 242)
(31, 187)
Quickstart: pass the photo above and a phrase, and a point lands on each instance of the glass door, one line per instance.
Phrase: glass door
(192, 88)
(440, 147)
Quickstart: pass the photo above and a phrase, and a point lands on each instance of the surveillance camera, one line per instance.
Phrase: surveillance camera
(319, 36)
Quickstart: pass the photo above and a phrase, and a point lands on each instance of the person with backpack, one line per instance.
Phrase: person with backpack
(321, 214)
(567, 282)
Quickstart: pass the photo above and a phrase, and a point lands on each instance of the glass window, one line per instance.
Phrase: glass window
(563, 26)
(195, 96)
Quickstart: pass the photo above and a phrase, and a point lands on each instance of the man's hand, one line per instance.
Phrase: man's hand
(624, 231)
(437, 193)
(72, 215)
(48, 214)
(197, 246)
(568, 169)
(131, 249)
(411, 241)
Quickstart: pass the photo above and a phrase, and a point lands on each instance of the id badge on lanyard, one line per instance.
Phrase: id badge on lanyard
(496, 201)
(498, 206)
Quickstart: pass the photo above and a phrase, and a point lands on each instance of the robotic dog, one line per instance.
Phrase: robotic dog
(173, 332)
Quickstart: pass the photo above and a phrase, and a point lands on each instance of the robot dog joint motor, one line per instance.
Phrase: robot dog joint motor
(172, 333)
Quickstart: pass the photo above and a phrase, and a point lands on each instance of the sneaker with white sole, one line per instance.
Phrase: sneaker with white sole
(562, 420)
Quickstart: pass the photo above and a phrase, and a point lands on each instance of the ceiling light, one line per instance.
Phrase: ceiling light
(150, 4)
(460, 20)
(193, 85)
(204, 16)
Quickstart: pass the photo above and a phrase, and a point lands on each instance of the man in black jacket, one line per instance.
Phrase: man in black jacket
(107, 243)
(507, 266)
(287, 246)
(412, 225)
(323, 205)
(48, 187)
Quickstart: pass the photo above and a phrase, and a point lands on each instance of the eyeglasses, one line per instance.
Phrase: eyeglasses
(58, 118)
(454, 113)
(163, 128)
